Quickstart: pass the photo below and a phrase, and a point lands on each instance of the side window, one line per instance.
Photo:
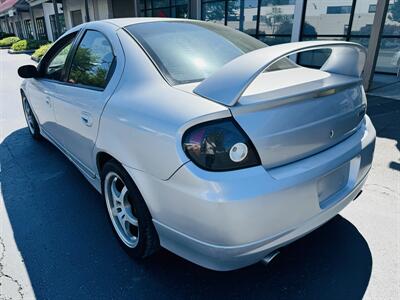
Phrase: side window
(55, 65)
(92, 62)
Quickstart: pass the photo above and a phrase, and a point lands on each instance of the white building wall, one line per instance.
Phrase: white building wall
(48, 10)
(96, 7)
(71, 5)
(103, 9)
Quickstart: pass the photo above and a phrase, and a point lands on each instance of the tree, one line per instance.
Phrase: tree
(286, 28)
(395, 11)
(86, 68)
(308, 29)
(215, 11)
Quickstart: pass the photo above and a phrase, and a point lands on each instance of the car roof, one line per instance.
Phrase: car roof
(122, 22)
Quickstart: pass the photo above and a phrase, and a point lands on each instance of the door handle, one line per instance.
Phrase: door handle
(86, 119)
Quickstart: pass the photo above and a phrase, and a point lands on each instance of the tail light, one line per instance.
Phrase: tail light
(219, 146)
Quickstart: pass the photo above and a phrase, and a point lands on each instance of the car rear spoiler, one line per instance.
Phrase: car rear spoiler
(227, 85)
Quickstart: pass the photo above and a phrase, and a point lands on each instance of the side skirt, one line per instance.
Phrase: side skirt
(93, 179)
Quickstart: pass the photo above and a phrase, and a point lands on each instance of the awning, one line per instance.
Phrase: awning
(7, 4)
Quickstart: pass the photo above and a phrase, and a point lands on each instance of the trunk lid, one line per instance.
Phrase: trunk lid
(293, 113)
(305, 112)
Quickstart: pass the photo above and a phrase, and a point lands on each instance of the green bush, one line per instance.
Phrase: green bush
(8, 41)
(27, 45)
(20, 45)
(39, 53)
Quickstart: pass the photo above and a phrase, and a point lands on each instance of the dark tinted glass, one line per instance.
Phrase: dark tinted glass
(92, 61)
(191, 51)
(54, 67)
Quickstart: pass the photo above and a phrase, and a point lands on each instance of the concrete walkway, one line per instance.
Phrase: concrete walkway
(386, 86)
(14, 278)
(56, 242)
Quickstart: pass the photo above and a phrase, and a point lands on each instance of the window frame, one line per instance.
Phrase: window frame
(71, 13)
(171, 5)
(338, 9)
(257, 34)
(44, 63)
(41, 24)
(79, 34)
(71, 56)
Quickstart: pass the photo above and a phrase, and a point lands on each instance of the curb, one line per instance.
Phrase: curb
(21, 52)
(35, 59)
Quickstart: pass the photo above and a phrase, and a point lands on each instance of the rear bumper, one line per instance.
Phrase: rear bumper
(228, 220)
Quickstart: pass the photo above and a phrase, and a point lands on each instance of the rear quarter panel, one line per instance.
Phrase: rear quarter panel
(142, 124)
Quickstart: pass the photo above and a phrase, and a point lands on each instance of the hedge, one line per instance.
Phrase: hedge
(8, 41)
(39, 53)
(27, 45)
(5, 34)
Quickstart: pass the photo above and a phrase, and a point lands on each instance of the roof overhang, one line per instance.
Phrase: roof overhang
(10, 7)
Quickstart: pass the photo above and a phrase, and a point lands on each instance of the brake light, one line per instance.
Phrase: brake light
(219, 145)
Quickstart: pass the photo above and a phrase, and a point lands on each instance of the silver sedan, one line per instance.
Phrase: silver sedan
(202, 139)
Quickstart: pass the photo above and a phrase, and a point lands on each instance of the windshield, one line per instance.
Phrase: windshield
(190, 51)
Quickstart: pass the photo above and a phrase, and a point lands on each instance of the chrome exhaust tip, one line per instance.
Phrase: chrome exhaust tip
(266, 260)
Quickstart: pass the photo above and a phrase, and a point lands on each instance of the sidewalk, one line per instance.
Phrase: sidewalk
(14, 279)
(385, 86)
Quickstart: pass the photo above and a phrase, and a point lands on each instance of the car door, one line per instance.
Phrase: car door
(41, 89)
(94, 69)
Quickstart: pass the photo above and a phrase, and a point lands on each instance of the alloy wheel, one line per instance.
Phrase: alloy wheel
(121, 210)
(30, 119)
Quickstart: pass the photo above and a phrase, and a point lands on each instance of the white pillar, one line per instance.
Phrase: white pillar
(297, 24)
(374, 42)
(297, 20)
(195, 9)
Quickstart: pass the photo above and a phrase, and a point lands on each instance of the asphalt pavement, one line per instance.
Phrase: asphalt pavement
(56, 242)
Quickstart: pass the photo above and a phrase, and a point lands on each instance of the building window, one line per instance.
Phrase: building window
(28, 29)
(389, 53)
(269, 20)
(347, 20)
(123, 8)
(332, 10)
(19, 29)
(363, 20)
(372, 8)
(53, 25)
(41, 29)
(165, 8)
(338, 23)
(214, 11)
(276, 21)
(320, 22)
(76, 17)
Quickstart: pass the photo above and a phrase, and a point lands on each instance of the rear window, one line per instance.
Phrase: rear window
(190, 51)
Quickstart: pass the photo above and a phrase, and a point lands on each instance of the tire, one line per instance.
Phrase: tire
(131, 204)
(30, 118)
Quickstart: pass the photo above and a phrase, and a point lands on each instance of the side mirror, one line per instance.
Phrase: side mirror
(28, 71)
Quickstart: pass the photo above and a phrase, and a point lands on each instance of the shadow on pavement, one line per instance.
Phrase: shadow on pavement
(385, 115)
(60, 227)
